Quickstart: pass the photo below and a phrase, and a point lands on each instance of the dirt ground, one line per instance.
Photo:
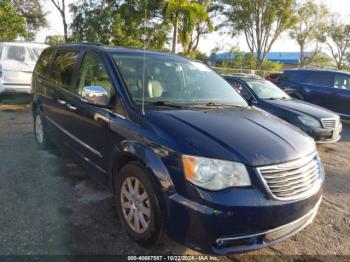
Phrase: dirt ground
(49, 206)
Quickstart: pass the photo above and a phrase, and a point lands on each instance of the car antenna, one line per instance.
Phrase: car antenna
(144, 64)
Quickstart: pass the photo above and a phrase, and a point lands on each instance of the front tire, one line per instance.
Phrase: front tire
(138, 201)
(39, 131)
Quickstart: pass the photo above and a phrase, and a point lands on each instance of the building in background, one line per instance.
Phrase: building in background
(287, 59)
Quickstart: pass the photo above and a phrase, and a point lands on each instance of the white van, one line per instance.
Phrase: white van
(17, 62)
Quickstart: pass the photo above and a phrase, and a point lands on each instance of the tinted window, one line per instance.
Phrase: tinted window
(93, 73)
(64, 66)
(17, 53)
(240, 88)
(44, 62)
(319, 78)
(290, 75)
(342, 81)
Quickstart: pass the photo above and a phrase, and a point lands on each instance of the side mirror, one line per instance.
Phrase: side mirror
(95, 95)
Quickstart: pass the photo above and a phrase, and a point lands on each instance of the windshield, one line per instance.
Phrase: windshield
(34, 53)
(174, 80)
(266, 90)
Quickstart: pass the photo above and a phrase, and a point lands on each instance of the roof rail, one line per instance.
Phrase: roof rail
(91, 43)
(245, 75)
(309, 67)
(318, 67)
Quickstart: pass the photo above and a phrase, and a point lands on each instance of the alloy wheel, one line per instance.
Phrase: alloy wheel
(135, 204)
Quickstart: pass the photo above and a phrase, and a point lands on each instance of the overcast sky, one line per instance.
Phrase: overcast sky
(224, 42)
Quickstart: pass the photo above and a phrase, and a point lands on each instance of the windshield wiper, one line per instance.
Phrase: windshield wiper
(214, 104)
(166, 104)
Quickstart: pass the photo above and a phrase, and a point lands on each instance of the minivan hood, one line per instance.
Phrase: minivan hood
(247, 135)
(299, 107)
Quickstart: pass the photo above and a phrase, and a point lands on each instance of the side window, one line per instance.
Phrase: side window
(319, 78)
(16, 53)
(44, 62)
(240, 89)
(93, 73)
(63, 68)
(342, 81)
(290, 76)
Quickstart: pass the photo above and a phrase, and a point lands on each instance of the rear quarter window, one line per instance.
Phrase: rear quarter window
(64, 67)
(42, 67)
(319, 79)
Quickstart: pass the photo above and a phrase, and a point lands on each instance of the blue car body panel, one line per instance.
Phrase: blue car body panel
(103, 139)
(295, 82)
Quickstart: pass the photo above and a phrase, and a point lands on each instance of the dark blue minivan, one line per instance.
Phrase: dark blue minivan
(183, 153)
(326, 88)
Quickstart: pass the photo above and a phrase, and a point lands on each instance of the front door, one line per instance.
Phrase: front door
(89, 124)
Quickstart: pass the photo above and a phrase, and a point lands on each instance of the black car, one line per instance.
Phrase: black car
(182, 158)
(320, 123)
(323, 87)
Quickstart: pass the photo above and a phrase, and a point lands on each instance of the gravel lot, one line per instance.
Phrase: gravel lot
(49, 206)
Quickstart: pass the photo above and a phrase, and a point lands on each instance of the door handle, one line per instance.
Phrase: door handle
(62, 102)
(73, 108)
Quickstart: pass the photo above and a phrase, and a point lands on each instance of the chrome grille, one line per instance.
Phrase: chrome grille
(292, 180)
(329, 123)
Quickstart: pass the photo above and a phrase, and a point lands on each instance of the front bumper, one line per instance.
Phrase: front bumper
(250, 222)
(322, 135)
(246, 243)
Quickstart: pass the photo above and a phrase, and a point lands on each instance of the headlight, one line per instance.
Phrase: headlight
(215, 174)
(309, 121)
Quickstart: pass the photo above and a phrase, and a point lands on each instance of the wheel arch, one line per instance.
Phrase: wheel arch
(130, 151)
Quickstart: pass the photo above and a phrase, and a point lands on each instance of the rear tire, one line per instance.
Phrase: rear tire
(139, 204)
(39, 131)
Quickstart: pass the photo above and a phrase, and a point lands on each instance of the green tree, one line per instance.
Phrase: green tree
(261, 22)
(311, 20)
(54, 39)
(319, 59)
(141, 23)
(131, 23)
(34, 15)
(93, 21)
(337, 38)
(185, 15)
(12, 25)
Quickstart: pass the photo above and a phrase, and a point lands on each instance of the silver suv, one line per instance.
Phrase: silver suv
(17, 61)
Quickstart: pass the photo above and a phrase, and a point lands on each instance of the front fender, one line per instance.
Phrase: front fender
(150, 156)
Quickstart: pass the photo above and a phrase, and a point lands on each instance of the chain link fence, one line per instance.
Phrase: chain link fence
(230, 71)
